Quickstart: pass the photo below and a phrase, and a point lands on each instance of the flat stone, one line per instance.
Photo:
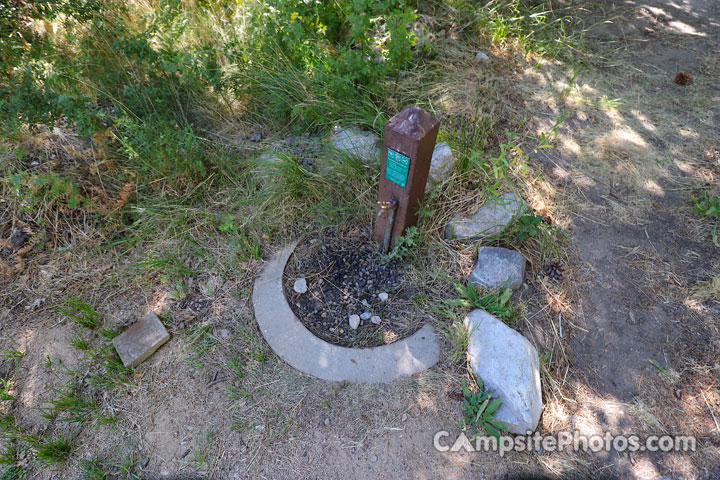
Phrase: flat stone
(300, 285)
(354, 321)
(375, 320)
(441, 164)
(482, 57)
(365, 315)
(360, 144)
(509, 366)
(383, 296)
(296, 345)
(491, 219)
(498, 268)
(141, 340)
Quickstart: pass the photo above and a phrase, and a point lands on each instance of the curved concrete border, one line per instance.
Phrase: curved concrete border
(295, 344)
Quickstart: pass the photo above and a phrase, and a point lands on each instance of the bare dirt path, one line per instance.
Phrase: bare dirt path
(633, 148)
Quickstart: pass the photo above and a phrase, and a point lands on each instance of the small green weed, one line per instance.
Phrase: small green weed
(55, 451)
(479, 409)
(404, 244)
(93, 470)
(70, 405)
(201, 339)
(663, 372)
(15, 355)
(11, 472)
(5, 386)
(81, 312)
(496, 304)
(80, 342)
(706, 206)
(527, 226)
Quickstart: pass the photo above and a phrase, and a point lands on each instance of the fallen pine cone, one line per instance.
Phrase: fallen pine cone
(683, 78)
(554, 270)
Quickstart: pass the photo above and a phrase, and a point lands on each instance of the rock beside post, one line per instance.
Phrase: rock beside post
(509, 366)
(441, 164)
(491, 219)
(360, 144)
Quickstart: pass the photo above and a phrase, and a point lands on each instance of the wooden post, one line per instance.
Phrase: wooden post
(408, 143)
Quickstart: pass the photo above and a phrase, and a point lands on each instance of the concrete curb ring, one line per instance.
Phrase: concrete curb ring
(295, 344)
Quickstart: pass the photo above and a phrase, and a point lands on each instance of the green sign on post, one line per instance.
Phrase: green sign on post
(396, 167)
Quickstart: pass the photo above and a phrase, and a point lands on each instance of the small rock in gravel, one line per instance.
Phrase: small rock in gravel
(300, 285)
(375, 320)
(373, 459)
(327, 422)
(224, 333)
(354, 321)
(365, 303)
(404, 417)
(482, 57)
(383, 296)
(365, 315)
(35, 304)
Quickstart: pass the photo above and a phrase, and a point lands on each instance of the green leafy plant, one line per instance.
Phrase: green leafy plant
(528, 226)
(479, 408)
(497, 304)
(404, 244)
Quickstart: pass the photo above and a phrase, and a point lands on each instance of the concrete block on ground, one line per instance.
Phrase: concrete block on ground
(141, 340)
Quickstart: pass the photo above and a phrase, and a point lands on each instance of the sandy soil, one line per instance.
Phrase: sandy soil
(622, 170)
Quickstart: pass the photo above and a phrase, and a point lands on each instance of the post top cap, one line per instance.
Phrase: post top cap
(413, 122)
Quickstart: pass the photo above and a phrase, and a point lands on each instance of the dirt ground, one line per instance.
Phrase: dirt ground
(631, 148)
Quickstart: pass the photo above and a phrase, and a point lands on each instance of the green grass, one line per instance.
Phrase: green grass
(706, 205)
(80, 312)
(11, 472)
(55, 451)
(93, 470)
(71, 405)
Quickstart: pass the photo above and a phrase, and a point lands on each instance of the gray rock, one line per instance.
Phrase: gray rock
(300, 285)
(365, 315)
(482, 57)
(363, 145)
(509, 366)
(224, 333)
(383, 296)
(441, 163)
(375, 320)
(491, 219)
(498, 267)
(354, 321)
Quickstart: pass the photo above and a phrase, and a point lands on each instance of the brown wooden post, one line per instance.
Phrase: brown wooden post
(408, 143)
